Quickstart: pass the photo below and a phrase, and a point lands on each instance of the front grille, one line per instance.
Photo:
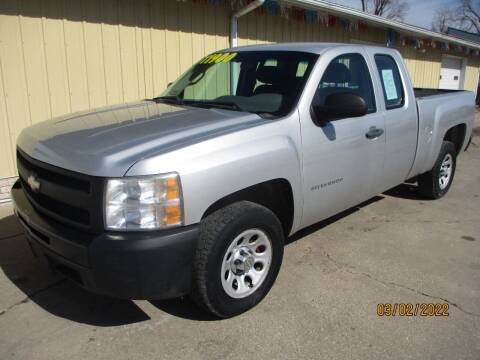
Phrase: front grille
(65, 196)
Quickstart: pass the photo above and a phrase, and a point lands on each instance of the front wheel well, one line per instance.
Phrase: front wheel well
(275, 195)
(456, 135)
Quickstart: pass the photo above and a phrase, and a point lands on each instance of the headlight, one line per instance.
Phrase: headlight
(143, 203)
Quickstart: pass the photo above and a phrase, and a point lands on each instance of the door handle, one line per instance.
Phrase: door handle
(374, 133)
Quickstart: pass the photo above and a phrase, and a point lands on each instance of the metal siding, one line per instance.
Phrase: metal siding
(59, 56)
(75, 55)
(15, 95)
(55, 57)
(128, 50)
(34, 51)
(111, 52)
(221, 42)
(158, 45)
(94, 53)
(252, 29)
(471, 74)
(145, 31)
(424, 68)
(7, 167)
(185, 36)
(270, 28)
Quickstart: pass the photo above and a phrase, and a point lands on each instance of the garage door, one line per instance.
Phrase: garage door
(450, 73)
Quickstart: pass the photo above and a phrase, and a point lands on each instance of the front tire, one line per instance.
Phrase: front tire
(238, 258)
(436, 183)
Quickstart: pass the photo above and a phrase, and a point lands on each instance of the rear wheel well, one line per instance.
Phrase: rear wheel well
(456, 135)
(275, 195)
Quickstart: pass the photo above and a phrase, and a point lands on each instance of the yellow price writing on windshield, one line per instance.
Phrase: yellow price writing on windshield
(218, 58)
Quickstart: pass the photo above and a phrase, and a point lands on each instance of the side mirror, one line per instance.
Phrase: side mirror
(339, 106)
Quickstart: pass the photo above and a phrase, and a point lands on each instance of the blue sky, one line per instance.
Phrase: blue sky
(420, 12)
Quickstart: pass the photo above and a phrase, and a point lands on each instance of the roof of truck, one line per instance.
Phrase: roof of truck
(311, 47)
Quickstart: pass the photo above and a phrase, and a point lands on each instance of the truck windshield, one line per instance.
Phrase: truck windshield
(268, 83)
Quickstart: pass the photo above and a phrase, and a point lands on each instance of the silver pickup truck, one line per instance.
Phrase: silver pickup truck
(195, 191)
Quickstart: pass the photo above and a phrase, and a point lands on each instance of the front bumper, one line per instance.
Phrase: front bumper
(129, 265)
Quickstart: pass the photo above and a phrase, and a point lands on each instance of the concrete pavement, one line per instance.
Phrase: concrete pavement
(394, 249)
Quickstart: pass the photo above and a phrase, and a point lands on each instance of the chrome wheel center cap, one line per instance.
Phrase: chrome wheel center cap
(242, 261)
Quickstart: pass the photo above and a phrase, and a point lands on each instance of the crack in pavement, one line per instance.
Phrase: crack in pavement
(352, 270)
(30, 296)
(447, 221)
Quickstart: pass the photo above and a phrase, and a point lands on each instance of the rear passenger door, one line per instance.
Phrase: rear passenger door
(342, 161)
(400, 119)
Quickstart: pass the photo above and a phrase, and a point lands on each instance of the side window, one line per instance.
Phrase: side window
(347, 73)
(391, 81)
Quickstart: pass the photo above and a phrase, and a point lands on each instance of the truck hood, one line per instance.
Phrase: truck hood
(109, 140)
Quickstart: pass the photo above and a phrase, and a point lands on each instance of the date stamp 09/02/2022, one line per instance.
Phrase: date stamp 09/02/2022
(408, 309)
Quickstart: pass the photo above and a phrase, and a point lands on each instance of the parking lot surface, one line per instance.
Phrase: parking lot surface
(396, 248)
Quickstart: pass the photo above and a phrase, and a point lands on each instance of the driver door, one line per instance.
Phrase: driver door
(343, 158)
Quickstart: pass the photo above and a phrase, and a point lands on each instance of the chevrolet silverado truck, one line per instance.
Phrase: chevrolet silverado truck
(195, 191)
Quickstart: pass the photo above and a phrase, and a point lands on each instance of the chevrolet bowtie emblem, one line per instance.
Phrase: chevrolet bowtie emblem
(33, 182)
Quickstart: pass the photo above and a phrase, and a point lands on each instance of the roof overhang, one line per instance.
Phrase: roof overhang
(411, 30)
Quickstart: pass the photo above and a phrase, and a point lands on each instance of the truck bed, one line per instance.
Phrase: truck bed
(438, 111)
(424, 92)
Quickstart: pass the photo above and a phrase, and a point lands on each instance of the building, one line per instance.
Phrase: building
(462, 34)
(61, 56)
(469, 37)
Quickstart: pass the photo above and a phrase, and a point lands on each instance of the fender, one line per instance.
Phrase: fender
(218, 167)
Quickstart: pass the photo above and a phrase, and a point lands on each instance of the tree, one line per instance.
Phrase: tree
(443, 18)
(470, 15)
(391, 9)
(463, 15)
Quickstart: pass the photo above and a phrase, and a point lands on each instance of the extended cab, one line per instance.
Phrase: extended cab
(195, 191)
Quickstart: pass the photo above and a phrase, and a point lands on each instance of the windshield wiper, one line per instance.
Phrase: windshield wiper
(208, 104)
(169, 99)
(228, 105)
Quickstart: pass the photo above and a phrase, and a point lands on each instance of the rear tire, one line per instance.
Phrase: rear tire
(238, 258)
(436, 183)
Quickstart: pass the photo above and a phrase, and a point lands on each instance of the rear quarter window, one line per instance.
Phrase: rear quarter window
(391, 81)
